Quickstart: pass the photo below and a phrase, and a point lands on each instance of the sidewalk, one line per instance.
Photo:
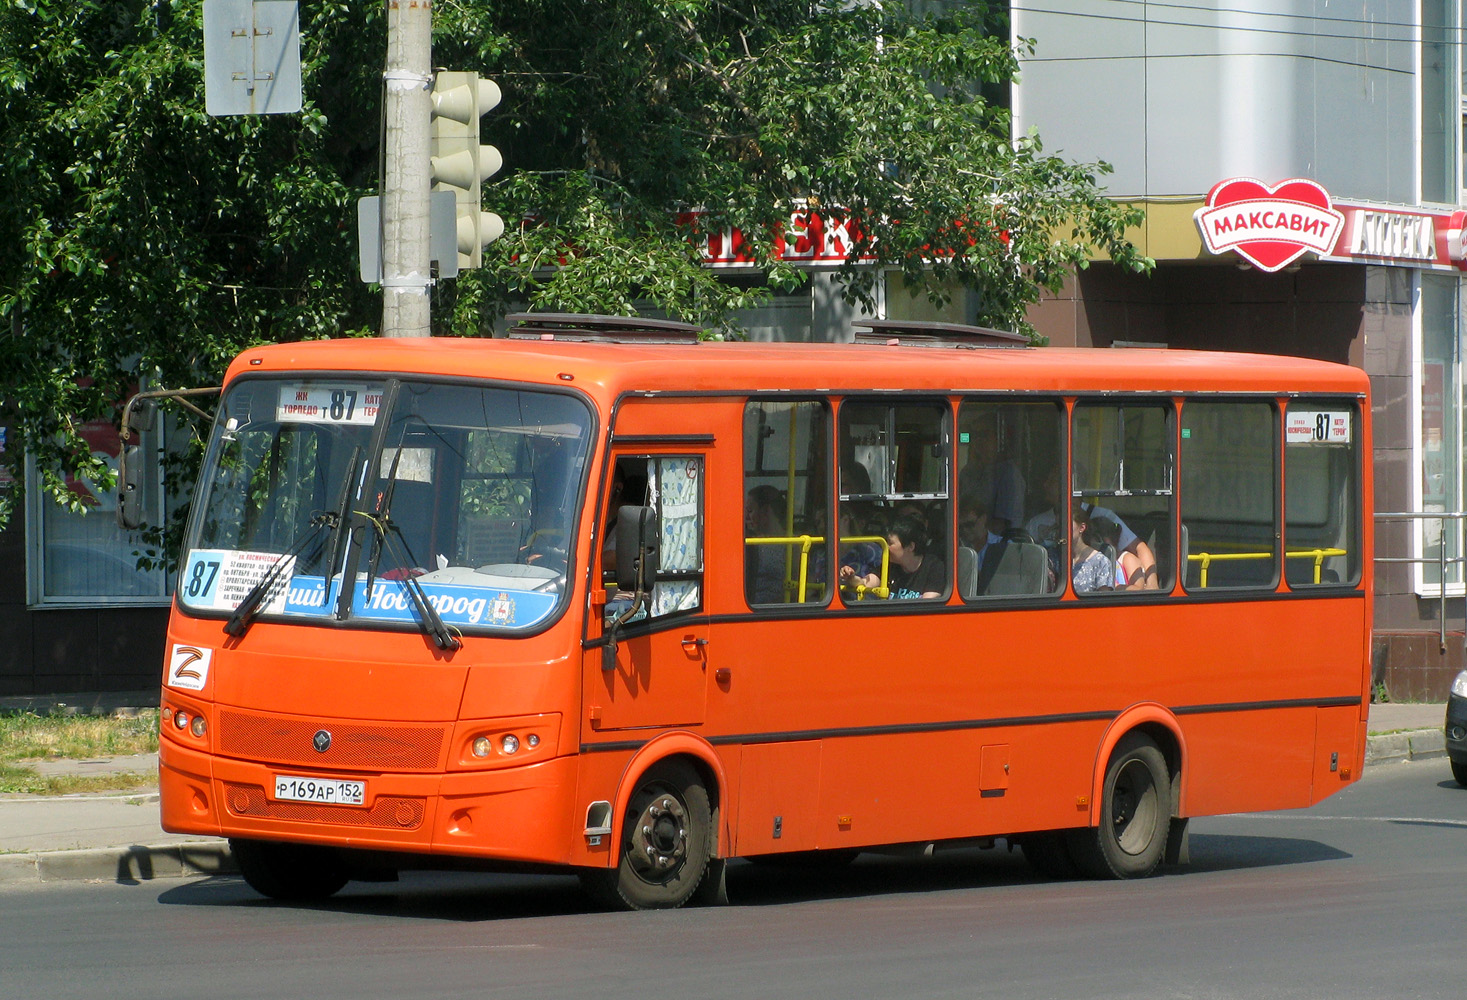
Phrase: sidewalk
(119, 837)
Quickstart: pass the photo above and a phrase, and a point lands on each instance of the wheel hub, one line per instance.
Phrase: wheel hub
(659, 841)
(1133, 807)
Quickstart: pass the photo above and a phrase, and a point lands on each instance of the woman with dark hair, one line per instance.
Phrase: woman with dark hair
(1090, 568)
(915, 572)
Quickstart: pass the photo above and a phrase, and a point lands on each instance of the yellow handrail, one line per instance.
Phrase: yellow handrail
(805, 542)
(1208, 558)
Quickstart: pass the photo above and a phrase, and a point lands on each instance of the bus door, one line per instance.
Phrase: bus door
(658, 673)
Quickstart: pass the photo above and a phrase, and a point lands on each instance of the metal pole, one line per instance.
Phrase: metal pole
(407, 175)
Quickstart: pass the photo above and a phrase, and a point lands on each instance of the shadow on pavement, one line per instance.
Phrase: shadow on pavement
(475, 897)
(1212, 852)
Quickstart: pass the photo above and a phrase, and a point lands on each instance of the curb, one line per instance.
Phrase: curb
(126, 865)
(1414, 744)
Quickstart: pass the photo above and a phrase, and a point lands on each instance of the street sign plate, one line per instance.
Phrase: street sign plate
(252, 57)
(442, 235)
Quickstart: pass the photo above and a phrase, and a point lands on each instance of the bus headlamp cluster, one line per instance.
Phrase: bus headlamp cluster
(509, 744)
(182, 720)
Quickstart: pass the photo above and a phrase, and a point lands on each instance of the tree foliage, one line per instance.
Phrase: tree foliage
(143, 238)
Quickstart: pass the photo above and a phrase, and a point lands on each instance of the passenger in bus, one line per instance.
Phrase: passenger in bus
(764, 565)
(859, 561)
(1044, 529)
(916, 572)
(1108, 533)
(992, 479)
(1090, 568)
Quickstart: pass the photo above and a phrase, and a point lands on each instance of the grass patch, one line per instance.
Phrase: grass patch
(18, 780)
(28, 736)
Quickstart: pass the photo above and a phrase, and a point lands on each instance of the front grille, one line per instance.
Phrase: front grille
(389, 812)
(372, 747)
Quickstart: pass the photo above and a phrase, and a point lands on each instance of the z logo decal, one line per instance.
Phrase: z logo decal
(188, 667)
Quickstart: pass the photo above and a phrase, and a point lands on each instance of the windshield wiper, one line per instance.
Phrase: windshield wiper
(387, 532)
(248, 608)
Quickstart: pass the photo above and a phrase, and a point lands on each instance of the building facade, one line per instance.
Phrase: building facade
(1217, 117)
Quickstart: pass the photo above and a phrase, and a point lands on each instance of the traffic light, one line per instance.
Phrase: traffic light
(460, 164)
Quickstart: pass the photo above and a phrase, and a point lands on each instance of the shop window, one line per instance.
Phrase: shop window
(787, 537)
(1229, 494)
(1121, 498)
(1321, 493)
(1441, 435)
(82, 557)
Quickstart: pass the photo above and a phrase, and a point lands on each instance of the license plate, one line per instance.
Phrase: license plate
(327, 791)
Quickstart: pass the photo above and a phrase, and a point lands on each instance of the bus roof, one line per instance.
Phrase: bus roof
(718, 366)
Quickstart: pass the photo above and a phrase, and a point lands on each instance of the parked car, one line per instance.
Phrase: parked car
(1456, 728)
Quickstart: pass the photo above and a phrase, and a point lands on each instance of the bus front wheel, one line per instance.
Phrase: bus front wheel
(665, 843)
(1135, 814)
(289, 871)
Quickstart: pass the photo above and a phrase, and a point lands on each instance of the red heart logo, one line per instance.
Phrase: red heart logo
(1269, 226)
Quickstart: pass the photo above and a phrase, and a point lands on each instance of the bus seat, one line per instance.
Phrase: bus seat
(967, 572)
(1022, 569)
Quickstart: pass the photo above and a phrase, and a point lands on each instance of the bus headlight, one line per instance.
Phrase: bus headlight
(482, 746)
(510, 743)
(198, 726)
(180, 719)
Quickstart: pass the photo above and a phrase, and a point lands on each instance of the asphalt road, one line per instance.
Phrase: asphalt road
(1354, 898)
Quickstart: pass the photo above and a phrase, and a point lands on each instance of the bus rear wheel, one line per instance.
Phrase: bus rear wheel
(1135, 814)
(666, 843)
(296, 872)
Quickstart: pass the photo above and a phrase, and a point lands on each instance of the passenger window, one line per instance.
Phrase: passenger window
(895, 501)
(1321, 493)
(1229, 494)
(1011, 540)
(787, 536)
(1120, 516)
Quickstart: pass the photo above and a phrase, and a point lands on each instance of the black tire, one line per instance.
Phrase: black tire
(297, 872)
(1048, 854)
(1459, 771)
(666, 843)
(1135, 814)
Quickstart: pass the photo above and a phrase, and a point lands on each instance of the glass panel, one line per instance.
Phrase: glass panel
(1321, 493)
(787, 501)
(1440, 102)
(1010, 542)
(895, 532)
(677, 485)
(1440, 416)
(1229, 492)
(1121, 493)
(84, 555)
(472, 495)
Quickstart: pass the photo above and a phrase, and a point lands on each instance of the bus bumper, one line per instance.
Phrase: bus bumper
(513, 814)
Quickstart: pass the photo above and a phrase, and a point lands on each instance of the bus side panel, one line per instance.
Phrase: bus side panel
(779, 807)
(1339, 753)
(1249, 761)
(966, 783)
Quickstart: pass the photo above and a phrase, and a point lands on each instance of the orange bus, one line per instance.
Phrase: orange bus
(599, 597)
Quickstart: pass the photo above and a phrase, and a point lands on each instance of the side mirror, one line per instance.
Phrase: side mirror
(129, 487)
(637, 538)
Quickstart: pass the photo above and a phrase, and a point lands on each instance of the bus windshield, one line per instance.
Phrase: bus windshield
(460, 497)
